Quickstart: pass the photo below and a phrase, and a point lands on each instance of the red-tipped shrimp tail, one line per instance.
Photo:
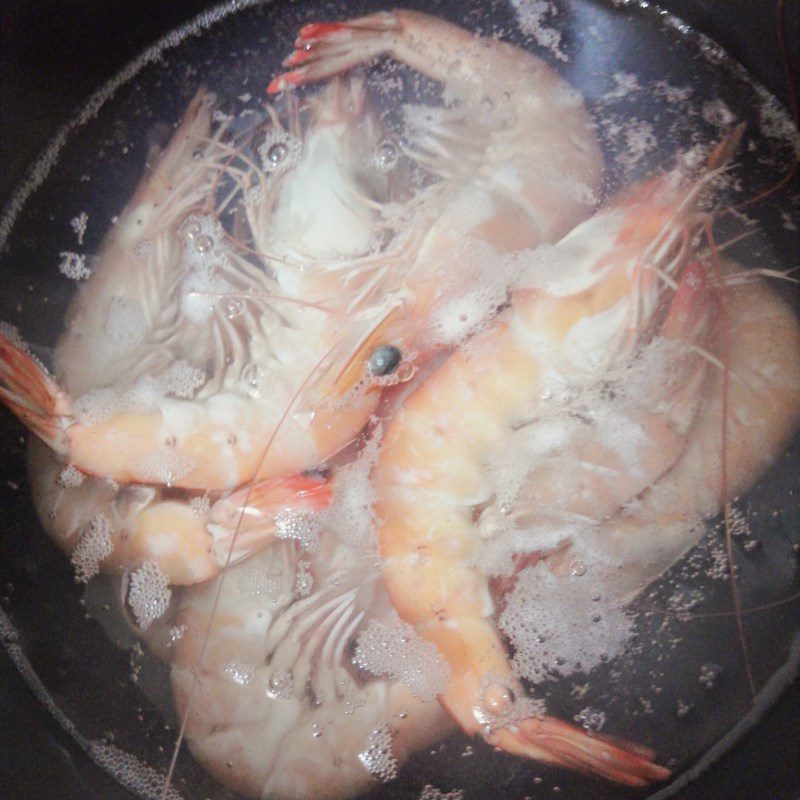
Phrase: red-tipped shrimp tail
(248, 520)
(262, 503)
(325, 49)
(552, 741)
(32, 395)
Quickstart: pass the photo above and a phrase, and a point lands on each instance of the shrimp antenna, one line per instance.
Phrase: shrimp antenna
(737, 604)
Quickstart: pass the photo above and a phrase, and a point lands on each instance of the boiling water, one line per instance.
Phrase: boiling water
(665, 670)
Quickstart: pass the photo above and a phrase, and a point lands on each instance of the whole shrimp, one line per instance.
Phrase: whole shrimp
(586, 308)
(275, 707)
(186, 356)
(514, 151)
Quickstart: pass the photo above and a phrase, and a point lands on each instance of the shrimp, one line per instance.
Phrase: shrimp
(278, 710)
(514, 151)
(586, 308)
(188, 539)
(185, 355)
(763, 409)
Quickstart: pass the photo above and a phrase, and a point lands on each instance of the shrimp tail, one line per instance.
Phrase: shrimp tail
(32, 395)
(252, 517)
(551, 740)
(261, 504)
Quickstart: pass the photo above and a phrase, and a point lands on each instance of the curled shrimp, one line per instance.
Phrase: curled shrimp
(275, 707)
(514, 153)
(189, 359)
(586, 308)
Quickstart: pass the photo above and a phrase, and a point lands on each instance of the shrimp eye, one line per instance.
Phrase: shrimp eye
(384, 360)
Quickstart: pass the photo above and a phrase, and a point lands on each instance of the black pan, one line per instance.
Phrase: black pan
(53, 56)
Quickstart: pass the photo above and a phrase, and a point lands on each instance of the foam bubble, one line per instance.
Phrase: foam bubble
(562, 624)
(396, 650)
(73, 266)
(432, 793)
(200, 506)
(132, 773)
(183, 380)
(302, 526)
(377, 757)
(149, 594)
(70, 477)
(532, 16)
(164, 466)
(125, 324)
(351, 515)
(96, 406)
(94, 546)
(78, 225)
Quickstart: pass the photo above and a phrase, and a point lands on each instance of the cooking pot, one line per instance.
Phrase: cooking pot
(53, 55)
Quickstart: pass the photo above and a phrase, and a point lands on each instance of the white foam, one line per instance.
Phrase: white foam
(73, 265)
(70, 477)
(350, 516)
(396, 650)
(96, 406)
(377, 757)
(78, 225)
(532, 16)
(559, 625)
(93, 547)
(125, 323)
(302, 526)
(432, 793)
(149, 594)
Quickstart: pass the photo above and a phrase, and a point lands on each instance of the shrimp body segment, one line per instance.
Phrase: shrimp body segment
(590, 303)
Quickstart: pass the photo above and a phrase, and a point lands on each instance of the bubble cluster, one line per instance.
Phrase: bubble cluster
(590, 719)
(142, 780)
(148, 594)
(93, 547)
(183, 380)
(70, 477)
(206, 255)
(558, 625)
(200, 506)
(432, 793)
(281, 685)
(73, 266)
(302, 526)
(280, 151)
(125, 324)
(95, 406)
(532, 17)
(396, 650)
(163, 466)
(78, 225)
(377, 757)
(351, 516)
(304, 580)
